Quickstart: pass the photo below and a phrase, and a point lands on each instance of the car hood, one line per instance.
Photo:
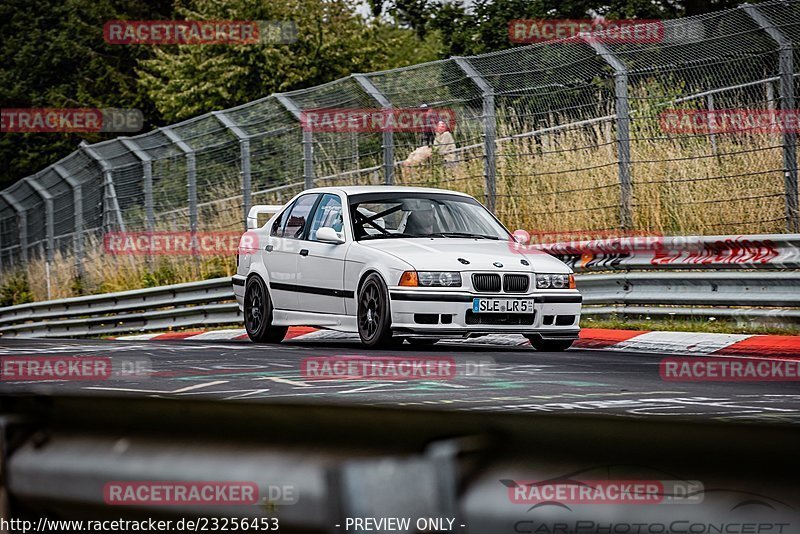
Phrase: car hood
(442, 254)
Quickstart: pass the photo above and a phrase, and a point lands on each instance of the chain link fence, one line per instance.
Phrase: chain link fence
(564, 136)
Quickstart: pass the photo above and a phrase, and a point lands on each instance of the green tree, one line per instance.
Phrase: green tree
(484, 26)
(53, 55)
(333, 41)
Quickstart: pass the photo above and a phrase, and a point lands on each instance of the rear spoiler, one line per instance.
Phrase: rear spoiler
(258, 209)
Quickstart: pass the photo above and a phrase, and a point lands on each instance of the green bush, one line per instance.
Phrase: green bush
(15, 289)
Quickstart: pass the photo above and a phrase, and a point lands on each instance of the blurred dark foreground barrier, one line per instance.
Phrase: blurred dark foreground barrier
(335, 463)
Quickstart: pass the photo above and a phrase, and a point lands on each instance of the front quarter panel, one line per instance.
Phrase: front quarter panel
(362, 260)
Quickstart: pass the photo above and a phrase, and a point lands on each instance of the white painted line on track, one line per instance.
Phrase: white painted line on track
(138, 337)
(181, 390)
(218, 334)
(284, 381)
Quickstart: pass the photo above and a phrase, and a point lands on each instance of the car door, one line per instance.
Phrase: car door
(320, 269)
(283, 250)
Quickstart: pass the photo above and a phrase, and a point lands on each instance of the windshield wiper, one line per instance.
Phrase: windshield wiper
(381, 236)
(463, 234)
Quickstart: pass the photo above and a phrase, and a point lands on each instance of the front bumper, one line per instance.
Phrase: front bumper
(556, 314)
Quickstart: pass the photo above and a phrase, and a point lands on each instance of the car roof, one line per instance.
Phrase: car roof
(362, 189)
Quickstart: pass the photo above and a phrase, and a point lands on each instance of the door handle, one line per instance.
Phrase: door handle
(268, 248)
(304, 252)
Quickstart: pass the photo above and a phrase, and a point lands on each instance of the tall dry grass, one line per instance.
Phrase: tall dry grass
(561, 182)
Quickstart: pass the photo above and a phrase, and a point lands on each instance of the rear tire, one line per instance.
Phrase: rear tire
(258, 314)
(374, 314)
(550, 345)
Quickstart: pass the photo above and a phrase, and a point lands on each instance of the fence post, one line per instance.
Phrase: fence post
(710, 106)
(244, 147)
(47, 199)
(786, 88)
(388, 135)
(489, 131)
(22, 224)
(110, 202)
(623, 129)
(147, 180)
(77, 215)
(1, 247)
(308, 140)
(191, 177)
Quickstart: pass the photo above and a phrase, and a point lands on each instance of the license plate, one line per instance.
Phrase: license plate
(502, 306)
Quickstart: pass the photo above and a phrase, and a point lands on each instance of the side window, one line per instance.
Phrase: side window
(298, 216)
(277, 226)
(328, 213)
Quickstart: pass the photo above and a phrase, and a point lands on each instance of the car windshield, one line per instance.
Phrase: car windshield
(418, 215)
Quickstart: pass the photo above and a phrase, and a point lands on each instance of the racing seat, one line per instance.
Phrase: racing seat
(420, 223)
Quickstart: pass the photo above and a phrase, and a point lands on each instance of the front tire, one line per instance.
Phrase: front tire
(549, 345)
(258, 314)
(374, 314)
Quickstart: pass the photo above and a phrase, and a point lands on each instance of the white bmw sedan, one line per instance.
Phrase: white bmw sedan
(399, 263)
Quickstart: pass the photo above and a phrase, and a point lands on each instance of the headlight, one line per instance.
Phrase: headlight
(431, 279)
(555, 281)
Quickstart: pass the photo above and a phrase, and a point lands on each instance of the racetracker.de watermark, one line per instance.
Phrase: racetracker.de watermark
(174, 493)
(179, 243)
(376, 119)
(596, 30)
(70, 120)
(759, 121)
(394, 367)
(169, 493)
(715, 369)
(91, 368)
(199, 32)
(522, 241)
(615, 492)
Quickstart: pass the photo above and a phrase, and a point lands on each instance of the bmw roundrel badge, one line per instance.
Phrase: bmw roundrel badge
(498, 264)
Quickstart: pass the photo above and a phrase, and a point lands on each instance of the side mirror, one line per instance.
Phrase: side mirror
(326, 234)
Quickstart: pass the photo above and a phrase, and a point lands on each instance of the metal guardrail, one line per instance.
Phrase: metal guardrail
(205, 303)
(742, 277)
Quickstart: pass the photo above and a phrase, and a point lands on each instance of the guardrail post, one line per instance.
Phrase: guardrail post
(22, 223)
(388, 135)
(147, 180)
(77, 205)
(489, 131)
(623, 129)
(191, 177)
(110, 201)
(786, 88)
(244, 147)
(308, 140)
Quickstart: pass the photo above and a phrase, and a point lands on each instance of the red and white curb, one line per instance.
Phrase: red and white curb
(692, 343)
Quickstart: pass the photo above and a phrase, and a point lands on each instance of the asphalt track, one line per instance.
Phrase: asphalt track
(512, 378)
